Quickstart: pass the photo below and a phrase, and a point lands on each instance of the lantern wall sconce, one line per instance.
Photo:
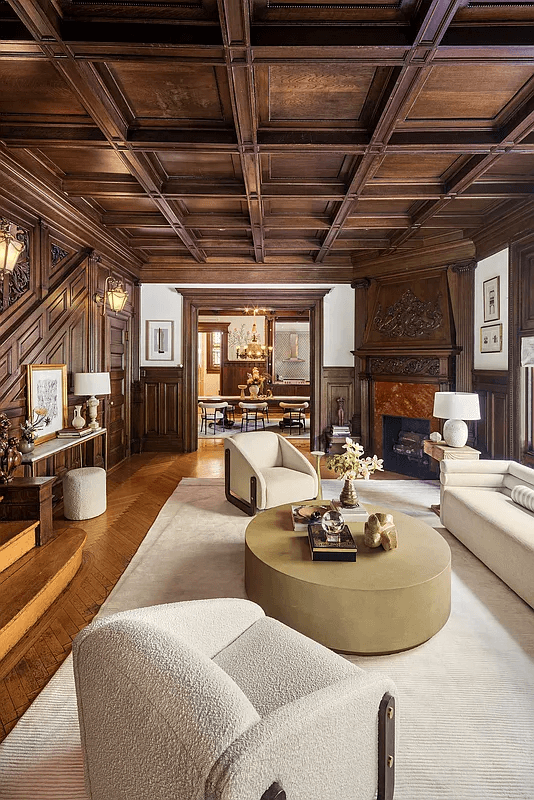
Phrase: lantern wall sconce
(10, 247)
(114, 295)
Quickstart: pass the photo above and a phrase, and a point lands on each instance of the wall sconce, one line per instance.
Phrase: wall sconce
(114, 295)
(10, 248)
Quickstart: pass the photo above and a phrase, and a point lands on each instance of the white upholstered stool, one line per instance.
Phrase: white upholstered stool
(84, 493)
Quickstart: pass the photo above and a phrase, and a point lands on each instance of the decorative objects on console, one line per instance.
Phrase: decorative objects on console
(350, 466)
(78, 421)
(10, 455)
(38, 422)
(92, 383)
(380, 530)
(456, 407)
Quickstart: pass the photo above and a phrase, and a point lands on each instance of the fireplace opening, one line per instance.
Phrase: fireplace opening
(402, 451)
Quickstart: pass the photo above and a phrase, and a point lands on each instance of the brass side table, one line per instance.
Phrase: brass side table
(441, 451)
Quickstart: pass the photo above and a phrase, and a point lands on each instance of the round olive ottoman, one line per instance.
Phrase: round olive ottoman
(84, 493)
(381, 603)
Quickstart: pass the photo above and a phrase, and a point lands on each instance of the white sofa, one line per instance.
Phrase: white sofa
(478, 508)
(263, 469)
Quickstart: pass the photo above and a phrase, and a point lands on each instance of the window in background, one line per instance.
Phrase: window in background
(214, 351)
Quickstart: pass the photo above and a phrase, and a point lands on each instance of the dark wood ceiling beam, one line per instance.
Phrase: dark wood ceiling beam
(432, 22)
(234, 17)
(86, 84)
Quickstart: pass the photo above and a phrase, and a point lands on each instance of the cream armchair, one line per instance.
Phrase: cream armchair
(212, 700)
(263, 470)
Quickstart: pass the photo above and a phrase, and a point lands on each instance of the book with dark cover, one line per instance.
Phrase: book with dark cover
(321, 550)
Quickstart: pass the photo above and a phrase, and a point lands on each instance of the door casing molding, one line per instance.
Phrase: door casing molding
(305, 300)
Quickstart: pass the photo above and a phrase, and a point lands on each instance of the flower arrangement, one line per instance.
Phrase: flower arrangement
(31, 426)
(351, 464)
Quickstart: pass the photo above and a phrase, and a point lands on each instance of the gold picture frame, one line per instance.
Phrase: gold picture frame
(47, 388)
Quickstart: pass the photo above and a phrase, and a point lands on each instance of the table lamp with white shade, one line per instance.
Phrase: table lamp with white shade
(92, 383)
(456, 407)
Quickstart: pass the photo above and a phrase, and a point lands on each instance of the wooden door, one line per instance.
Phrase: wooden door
(118, 417)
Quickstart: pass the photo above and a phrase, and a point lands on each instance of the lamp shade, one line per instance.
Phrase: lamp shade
(10, 249)
(91, 383)
(456, 405)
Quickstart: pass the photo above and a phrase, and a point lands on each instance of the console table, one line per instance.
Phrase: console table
(54, 446)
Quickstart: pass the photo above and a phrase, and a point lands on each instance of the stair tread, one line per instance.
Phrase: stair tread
(9, 530)
(25, 583)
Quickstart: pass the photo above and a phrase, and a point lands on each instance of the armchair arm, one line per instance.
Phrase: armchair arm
(322, 745)
(293, 459)
(240, 470)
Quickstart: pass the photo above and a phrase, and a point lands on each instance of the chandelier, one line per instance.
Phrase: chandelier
(254, 350)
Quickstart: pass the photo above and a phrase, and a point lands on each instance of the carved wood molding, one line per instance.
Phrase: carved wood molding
(409, 316)
(404, 365)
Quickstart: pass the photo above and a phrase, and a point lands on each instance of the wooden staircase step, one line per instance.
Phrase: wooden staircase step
(16, 539)
(27, 592)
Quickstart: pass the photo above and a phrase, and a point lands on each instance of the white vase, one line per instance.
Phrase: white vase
(254, 390)
(78, 421)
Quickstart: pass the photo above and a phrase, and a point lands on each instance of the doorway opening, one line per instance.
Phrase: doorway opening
(297, 314)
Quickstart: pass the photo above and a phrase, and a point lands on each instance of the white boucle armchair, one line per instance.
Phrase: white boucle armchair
(212, 700)
(263, 470)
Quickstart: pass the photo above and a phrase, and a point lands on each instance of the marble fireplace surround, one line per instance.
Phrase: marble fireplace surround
(402, 385)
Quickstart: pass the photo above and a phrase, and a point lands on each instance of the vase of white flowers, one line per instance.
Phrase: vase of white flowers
(351, 466)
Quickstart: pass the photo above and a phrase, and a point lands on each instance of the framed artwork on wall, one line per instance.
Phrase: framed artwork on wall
(492, 299)
(491, 338)
(159, 339)
(47, 394)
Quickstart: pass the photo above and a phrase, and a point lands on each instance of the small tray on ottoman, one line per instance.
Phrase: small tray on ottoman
(321, 550)
(301, 513)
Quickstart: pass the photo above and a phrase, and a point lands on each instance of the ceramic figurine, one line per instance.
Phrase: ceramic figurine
(380, 530)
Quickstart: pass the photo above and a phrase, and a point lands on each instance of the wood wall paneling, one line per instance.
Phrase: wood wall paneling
(336, 382)
(492, 428)
(162, 404)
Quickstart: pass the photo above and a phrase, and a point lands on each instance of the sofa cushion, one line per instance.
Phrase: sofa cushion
(287, 486)
(523, 496)
(275, 665)
(497, 530)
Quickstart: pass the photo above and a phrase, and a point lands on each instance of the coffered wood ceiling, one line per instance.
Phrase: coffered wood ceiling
(274, 135)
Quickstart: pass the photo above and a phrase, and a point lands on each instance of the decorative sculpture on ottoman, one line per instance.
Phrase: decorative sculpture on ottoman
(380, 530)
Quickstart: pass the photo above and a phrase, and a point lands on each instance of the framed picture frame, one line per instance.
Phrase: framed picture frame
(47, 389)
(159, 340)
(492, 299)
(491, 338)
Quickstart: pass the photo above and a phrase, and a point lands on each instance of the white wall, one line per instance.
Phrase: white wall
(339, 327)
(496, 264)
(161, 302)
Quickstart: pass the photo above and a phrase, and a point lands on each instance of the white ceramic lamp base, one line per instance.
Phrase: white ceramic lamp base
(92, 406)
(455, 432)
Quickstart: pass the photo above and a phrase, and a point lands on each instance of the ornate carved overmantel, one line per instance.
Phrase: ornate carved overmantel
(408, 349)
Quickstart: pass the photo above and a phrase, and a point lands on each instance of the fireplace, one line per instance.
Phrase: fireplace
(402, 446)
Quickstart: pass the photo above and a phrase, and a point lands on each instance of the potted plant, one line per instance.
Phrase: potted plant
(351, 466)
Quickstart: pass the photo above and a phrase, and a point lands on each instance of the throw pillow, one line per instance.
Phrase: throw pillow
(523, 496)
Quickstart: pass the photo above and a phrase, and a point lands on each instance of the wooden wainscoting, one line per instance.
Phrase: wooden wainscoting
(336, 382)
(162, 409)
(492, 428)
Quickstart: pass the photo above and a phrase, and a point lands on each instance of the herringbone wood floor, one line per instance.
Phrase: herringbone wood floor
(137, 490)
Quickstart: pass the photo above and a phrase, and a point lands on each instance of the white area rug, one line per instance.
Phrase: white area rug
(465, 727)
